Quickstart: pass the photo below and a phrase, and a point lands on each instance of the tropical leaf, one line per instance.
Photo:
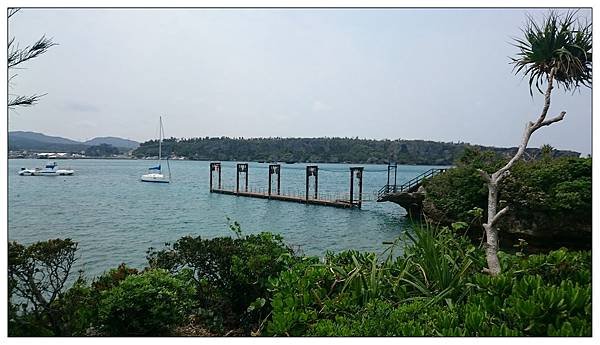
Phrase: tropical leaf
(560, 46)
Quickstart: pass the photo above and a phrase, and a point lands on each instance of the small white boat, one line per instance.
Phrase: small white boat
(153, 177)
(48, 170)
(158, 177)
(27, 172)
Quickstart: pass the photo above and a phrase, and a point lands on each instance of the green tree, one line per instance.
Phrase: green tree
(37, 275)
(558, 50)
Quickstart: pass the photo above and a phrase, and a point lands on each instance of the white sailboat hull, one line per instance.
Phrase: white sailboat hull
(48, 171)
(158, 178)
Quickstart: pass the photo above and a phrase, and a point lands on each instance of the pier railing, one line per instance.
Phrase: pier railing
(410, 185)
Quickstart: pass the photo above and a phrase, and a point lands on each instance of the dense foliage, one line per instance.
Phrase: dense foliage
(150, 303)
(537, 296)
(550, 199)
(102, 150)
(330, 150)
(434, 268)
(231, 274)
(36, 277)
(435, 292)
(433, 288)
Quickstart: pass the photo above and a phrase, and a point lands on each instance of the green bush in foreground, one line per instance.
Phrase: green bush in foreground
(515, 303)
(434, 288)
(231, 274)
(146, 304)
(435, 269)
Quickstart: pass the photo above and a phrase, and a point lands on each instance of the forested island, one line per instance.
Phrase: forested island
(322, 150)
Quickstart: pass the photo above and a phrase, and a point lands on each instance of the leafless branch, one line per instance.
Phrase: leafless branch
(554, 119)
(499, 215)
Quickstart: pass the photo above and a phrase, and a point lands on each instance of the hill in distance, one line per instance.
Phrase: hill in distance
(114, 141)
(22, 140)
(323, 150)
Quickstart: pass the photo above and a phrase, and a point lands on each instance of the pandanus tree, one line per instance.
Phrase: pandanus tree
(557, 51)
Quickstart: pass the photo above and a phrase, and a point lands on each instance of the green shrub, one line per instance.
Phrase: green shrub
(150, 303)
(514, 303)
(532, 307)
(435, 268)
(231, 274)
(553, 267)
(434, 289)
(113, 277)
(458, 190)
(77, 308)
(559, 190)
(298, 294)
(440, 263)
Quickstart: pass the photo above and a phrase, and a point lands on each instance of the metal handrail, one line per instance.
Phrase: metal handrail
(415, 181)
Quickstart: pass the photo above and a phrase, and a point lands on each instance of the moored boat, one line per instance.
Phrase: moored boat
(48, 170)
(158, 177)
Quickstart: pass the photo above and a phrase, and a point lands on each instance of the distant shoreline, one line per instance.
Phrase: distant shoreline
(208, 160)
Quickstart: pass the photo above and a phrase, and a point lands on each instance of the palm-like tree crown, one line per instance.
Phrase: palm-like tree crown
(559, 48)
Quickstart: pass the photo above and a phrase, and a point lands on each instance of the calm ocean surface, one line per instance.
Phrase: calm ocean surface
(116, 218)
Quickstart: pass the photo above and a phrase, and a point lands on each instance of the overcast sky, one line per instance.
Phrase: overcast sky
(433, 74)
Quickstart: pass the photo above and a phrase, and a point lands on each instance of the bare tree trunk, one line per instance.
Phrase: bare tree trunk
(491, 247)
(492, 181)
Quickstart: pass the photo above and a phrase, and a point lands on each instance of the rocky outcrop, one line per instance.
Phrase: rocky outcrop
(542, 233)
(411, 202)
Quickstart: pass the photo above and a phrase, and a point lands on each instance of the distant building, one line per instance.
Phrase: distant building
(52, 155)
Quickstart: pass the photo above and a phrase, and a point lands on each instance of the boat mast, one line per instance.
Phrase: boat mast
(162, 131)
(159, 139)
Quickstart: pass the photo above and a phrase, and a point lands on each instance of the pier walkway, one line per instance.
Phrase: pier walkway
(322, 201)
(353, 199)
(310, 196)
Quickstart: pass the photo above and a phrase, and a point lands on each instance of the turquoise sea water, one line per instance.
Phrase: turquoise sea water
(116, 218)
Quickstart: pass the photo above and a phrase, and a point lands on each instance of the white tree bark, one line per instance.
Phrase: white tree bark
(492, 181)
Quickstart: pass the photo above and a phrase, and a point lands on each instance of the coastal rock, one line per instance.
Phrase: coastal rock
(542, 234)
(411, 202)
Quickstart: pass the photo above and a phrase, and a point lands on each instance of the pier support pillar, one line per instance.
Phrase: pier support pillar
(215, 167)
(358, 172)
(242, 168)
(312, 170)
(275, 169)
(392, 167)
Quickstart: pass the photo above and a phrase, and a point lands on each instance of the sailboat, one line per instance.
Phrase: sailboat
(156, 174)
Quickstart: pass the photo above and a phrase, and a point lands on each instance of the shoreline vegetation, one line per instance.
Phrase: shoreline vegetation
(255, 285)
